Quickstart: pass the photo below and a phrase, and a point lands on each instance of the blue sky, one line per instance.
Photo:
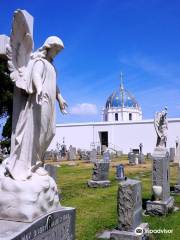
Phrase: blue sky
(102, 38)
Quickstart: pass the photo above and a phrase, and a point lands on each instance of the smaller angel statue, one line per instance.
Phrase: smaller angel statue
(161, 127)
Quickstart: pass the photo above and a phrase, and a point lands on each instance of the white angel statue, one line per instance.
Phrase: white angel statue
(161, 127)
(35, 93)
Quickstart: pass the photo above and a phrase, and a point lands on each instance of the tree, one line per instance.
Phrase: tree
(6, 99)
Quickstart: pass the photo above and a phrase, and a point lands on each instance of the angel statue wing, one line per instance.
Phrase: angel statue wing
(20, 47)
(157, 123)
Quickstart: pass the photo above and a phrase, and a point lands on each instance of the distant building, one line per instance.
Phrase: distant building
(122, 127)
(121, 106)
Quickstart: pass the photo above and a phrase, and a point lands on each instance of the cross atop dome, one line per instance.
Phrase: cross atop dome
(121, 78)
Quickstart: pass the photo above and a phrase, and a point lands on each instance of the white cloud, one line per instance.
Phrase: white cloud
(84, 109)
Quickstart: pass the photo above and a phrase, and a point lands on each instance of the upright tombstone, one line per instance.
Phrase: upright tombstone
(106, 156)
(131, 158)
(120, 172)
(98, 150)
(51, 169)
(172, 153)
(135, 157)
(29, 199)
(71, 153)
(100, 175)
(141, 155)
(177, 153)
(129, 211)
(162, 202)
(177, 186)
(93, 155)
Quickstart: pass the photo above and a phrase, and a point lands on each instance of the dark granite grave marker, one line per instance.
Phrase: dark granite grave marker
(58, 225)
(100, 175)
(129, 210)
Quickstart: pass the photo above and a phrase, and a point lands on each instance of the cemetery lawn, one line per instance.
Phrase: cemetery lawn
(96, 208)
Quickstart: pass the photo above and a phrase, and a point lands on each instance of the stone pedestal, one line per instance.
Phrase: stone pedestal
(129, 207)
(163, 202)
(100, 175)
(95, 184)
(160, 207)
(57, 225)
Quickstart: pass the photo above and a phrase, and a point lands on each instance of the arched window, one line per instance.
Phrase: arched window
(116, 116)
(130, 116)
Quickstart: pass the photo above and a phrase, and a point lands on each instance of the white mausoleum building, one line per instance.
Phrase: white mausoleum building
(122, 127)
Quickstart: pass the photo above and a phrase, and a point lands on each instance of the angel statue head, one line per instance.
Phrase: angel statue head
(51, 47)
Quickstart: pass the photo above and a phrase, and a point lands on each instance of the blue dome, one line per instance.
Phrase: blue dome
(121, 98)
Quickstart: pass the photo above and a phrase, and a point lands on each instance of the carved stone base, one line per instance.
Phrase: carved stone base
(160, 207)
(140, 233)
(59, 224)
(95, 184)
(25, 201)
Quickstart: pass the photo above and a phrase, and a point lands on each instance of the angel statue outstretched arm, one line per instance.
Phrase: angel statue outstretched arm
(161, 127)
(61, 101)
(35, 93)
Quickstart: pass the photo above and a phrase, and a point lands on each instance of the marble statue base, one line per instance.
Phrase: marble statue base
(57, 225)
(25, 201)
(160, 207)
(96, 184)
(140, 233)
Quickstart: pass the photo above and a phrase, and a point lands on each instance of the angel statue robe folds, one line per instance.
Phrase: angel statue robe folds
(161, 127)
(35, 93)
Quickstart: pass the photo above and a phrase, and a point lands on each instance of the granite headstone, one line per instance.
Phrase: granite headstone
(100, 175)
(129, 211)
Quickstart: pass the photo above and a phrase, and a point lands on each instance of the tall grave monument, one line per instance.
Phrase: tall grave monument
(29, 201)
(129, 210)
(162, 202)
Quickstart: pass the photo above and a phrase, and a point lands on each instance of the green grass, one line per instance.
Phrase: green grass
(96, 208)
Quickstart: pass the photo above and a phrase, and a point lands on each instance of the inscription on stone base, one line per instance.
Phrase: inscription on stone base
(58, 225)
